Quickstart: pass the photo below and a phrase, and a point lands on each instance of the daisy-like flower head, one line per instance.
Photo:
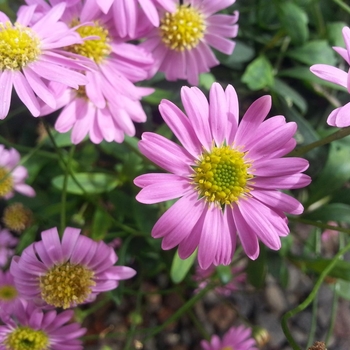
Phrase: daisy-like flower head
(125, 13)
(340, 117)
(32, 328)
(227, 174)
(68, 272)
(8, 292)
(7, 244)
(109, 104)
(181, 44)
(29, 57)
(12, 175)
(16, 217)
(236, 338)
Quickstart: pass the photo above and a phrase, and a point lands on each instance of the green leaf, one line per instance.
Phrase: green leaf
(180, 267)
(61, 139)
(341, 270)
(331, 212)
(304, 74)
(225, 273)
(335, 173)
(259, 74)
(100, 224)
(157, 96)
(317, 51)
(256, 269)
(90, 183)
(291, 96)
(334, 31)
(294, 20)
(206, 80)
(241, 54)
(343, 289)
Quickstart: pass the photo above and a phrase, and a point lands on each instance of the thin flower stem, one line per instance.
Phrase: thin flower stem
(310, 298)
(328, 139)
(342, 5)
(319, 224)
(64, 191)
(177, 314)
(333, 313)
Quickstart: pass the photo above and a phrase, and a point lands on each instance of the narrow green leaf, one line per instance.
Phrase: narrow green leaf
(180, 267)
(332, 212)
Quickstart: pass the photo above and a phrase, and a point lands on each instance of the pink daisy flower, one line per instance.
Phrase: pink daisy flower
(8, 292)
(227, 176)
(12, 175)
(30, 58)
(203, 277)
(340, 117)
(236, 338)
(67, 272)
(181, 44)
(125, 13)
(107, 106)
(32, 328)
(7, 244)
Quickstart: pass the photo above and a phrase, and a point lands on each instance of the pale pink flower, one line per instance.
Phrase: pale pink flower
(340, 117)
(30, 57)
(227, 176)
(30, 327)
(181, 44)
(126, 14)
(203, 277)
(7, 245)
(107, 106)
(8, 293)
(67, 272)
(12, 175)
(236, 338)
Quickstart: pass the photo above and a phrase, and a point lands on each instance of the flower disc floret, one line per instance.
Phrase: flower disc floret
(8, 292)
(6, 182)
(183, 29)
(26, 338)
(18, 46)
(95, 49)
(221, 175)
(66, 284)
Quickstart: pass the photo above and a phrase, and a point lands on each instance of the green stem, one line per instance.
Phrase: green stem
(342, 5)
(198, 325)
(341, 133)
(310, 298)
(177, 314)
(64, 191)
(319, 224)
(333, 313)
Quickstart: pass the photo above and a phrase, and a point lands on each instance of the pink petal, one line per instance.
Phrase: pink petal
(330, 73)
(163, 191)
(6, 81)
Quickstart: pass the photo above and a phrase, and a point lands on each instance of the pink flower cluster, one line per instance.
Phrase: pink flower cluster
(85, 57)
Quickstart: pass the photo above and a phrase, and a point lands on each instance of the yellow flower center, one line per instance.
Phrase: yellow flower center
(26, 338)
(221, 175)
(6, 182)
(17, 217)
(183, 29)
(8, 292)
(95, 49)
(19, 46)
(66, 285)
(228, 348)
